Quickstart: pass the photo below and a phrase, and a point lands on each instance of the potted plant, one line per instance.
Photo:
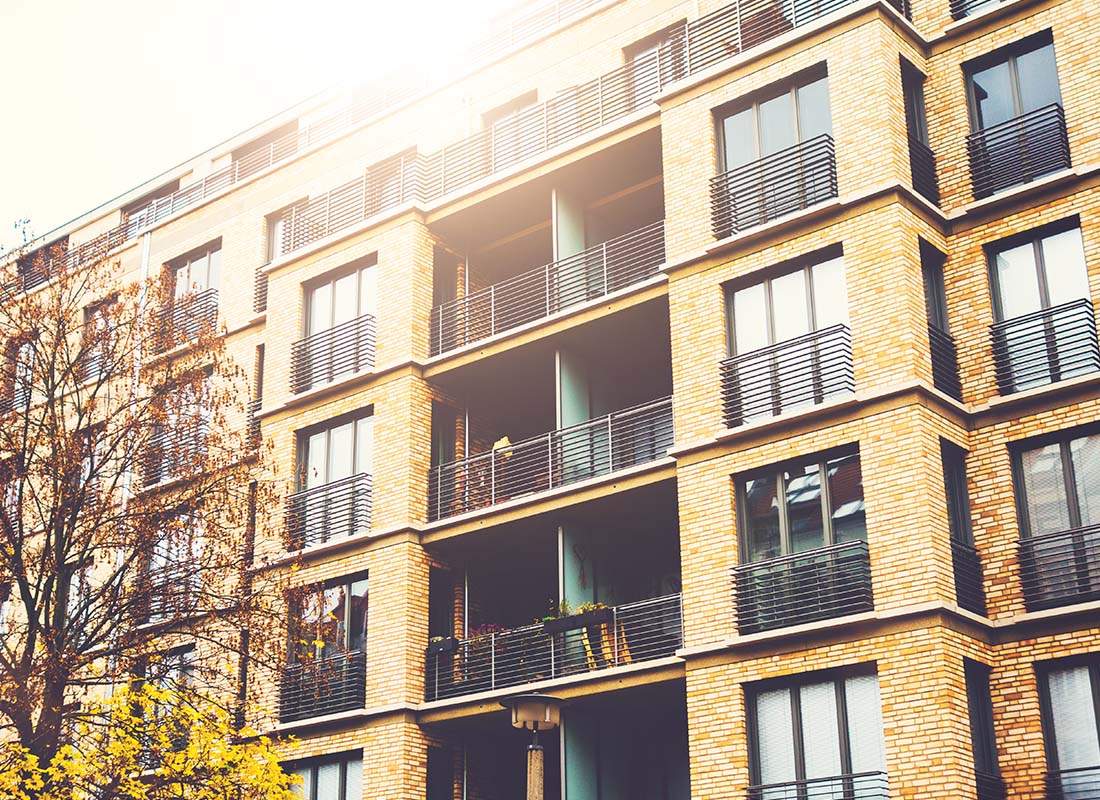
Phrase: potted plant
(568, 619)
(441, 645)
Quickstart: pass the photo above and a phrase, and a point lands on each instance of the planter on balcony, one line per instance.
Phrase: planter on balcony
(597, 616)
(444, 646)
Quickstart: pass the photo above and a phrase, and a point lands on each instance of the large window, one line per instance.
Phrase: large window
(1071, 726)
(1012, 83)
(337, 451)
(822, 728)
(174, 574)
(197, 271)
(1045, 329)
(922, 162)
(336, 300)
(982, 737)
(330, 620)
(331, 778)
(775, 122)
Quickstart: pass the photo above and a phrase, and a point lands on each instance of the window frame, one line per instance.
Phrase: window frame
(327, 427)
(297, 597)
(185, 262)
(358, 267)
(1063, 439)
(314, 765)
(916, 112)
(956, 490)
(979, 709)
(1009, 54)
(1043, 669)
(1035, 237)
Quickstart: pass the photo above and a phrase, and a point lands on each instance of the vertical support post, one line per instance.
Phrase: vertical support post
(547, 268)
(603, 255)
(615, 634)
(610, 448)
(493, 660)
(492, 477)
(492, 309)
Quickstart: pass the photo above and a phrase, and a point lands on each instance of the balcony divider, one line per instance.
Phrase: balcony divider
(820, 584)
(343, 349)
(1058, 569)
(541, 292)
(631, 633)
(1019, 150)
(580, 452)
(1046, 346)
(945, 362)
(778, 184)
(321, 686)
(861, 786)
(969, 586)
(335, 510)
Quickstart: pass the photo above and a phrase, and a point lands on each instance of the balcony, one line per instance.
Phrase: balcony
(1045, 347)
(595, 640)
(187, 317)
(964, 8)
(323, 686)
(1059, 569)
(804, 371)
(539, 293)
(922, 165)
(863, 786)
(969, 586)
(336, 510)
(171, 593)
(819, 584)
(344, 349)
(945, 362)
(1018, 151)
(1073, 784)
(771, 187)
(990, 787)
(580, 452)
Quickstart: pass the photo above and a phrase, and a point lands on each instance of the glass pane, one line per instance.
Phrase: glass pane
(830, 294)
(1017, 281)
(803, 491)
(993, 94)
(814, 118)
(864, 709)
(1064, 264)
(775, 736)
(1085, 453)
(789, 310)
(214, 278)
(320, 309)
(328, 782)
(317, 460)
(739, 138)
(846, 495)
(750, 319)
(332, 626)
(181, 282)
(357, 621)
(341, 452)
(304, 789)
(1045, 486)
(762, 516)
(1038, 78)
(364, 445)
(820, 737)
(1074, 716)
(200, 275)
(345, 298)
(354, 780)
(777, 127)
(368, 291)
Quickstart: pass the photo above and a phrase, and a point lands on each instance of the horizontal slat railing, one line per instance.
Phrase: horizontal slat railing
(344, 349)
(861, 786)
(1073, 784)
(1019, 150)
(597, 447)
(804, 371)
(187, 317)
(252, 423)
(338, 509)
(171, 593)
(945, 362)
(1058, 569)
(630, 633)
(323, 686)
(964, 8)
(541, 292)
(172, 452)
(778, 184)
(922, 165)
(969, 586)
(1046, 346)
(805, 587)
(990, 787)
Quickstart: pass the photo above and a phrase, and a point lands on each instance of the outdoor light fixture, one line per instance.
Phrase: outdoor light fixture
(534, 712)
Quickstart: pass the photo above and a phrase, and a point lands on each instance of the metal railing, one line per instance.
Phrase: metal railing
(1082, 783)
(536, 294)
(171, 593)
(969, 585)
(253, 428)
(922, 166)
(259, 291)
(989, 786)
(590, 449)
(819, 584)
(782, 183)
(861, 786)
(344, 349)
(804, 371)
(945, 362)
(174, 451)
(1058, 569)
(335, 510)
(1045, 346)
(1018, 150)
(323, 686)
(186, 317)
(964, 8)
(624, 634)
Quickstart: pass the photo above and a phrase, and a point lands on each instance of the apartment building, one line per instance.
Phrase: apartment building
(728, 370)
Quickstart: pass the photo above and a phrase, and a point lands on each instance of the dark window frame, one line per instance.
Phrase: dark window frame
(314, 765)
(1062, 438)
(303, 435)
(916, 112)
(960, 521)
(351, 268)
(932, 262)
(1010, 54)
(979, 705)
(299, 593)
(1034, 237)
(1046, 712)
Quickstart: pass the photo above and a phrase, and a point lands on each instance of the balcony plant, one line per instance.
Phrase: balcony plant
(565, 618)
(441, 645)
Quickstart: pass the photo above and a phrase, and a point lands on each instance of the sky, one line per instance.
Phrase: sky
(102, 96)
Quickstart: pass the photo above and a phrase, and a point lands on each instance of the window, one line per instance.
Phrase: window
(922, 162)
(789, 341)
(802, 506)
(1044, 333)
(337, 452)
(330, 620)
(342, 298)
(174, 577)
(98, 349)
(193, 305)
(177, 441)
(279, 230)
(982, 736)
(1013, 82)
(197, 272)
(953, 458)
(22, 356)
(334, 778)
(509, 137)
(818, 728)
(656, 60)
(1071, 725)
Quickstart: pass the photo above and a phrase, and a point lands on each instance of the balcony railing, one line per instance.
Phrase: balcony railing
(536, 294)
(344, 349)
(323, 686)
(969, 586)
(945, 362)
(253, 429)
(964, 8)
(1019, 150)
(804, 371)
(174, 449)
(790, 180)
(1058, 569)
(172, 592)
(819, 584)
(1073, 784)
(990, 787)
(332, 511)
(922, 165)
(863, 786)
(1046, 346)
(590, 449)
(187, 317)
(624, 634)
